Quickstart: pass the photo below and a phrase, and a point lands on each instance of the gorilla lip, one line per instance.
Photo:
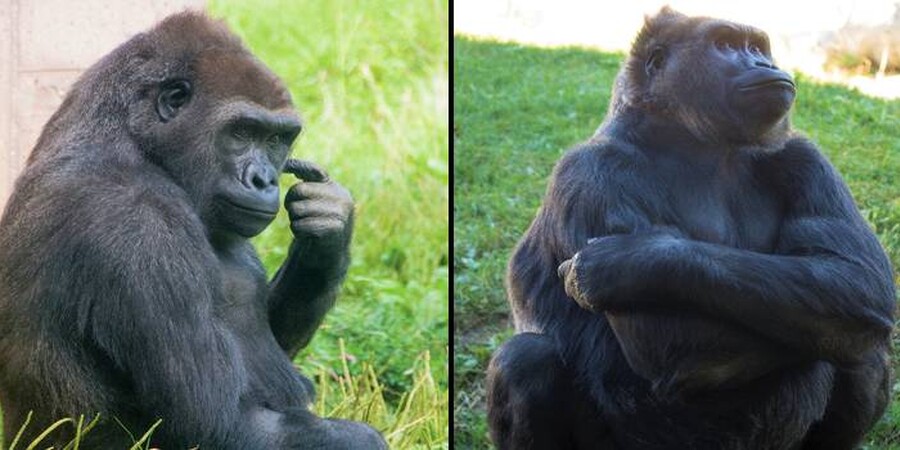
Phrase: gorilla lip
(771, 82)
(252, 211)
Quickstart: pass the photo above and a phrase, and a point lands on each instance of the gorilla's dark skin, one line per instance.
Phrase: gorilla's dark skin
(128, 286)
(698, 275)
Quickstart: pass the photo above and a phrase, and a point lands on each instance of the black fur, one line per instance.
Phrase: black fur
(698, 275)
(128, 287)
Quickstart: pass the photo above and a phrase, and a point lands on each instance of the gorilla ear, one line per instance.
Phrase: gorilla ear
(655, 60)
(173, 95)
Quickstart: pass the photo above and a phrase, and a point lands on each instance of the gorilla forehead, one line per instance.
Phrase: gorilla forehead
(192, 45)
(247, 78)
(671, 27)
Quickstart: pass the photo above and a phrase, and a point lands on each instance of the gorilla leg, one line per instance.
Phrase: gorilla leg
(532, 402)
(333, 434)
(858, 399)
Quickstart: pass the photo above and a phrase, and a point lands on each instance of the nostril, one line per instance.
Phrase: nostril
(259, 178)
(268, 178)
(259, 182)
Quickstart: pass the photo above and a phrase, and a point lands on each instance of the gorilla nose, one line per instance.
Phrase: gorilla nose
(261, 183)
(260, 177)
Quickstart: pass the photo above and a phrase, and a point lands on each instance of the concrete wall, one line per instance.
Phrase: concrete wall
(44, 46)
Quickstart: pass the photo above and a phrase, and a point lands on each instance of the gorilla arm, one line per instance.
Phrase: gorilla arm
(826, 292)
(306, 285)
(596, 190)
(576, 207)
(149, 301)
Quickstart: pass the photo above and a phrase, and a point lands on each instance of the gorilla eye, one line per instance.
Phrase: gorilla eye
(173, 96)
(724, 45)
(240, 133)
(275, 140)
(655, 61)
(755, 49)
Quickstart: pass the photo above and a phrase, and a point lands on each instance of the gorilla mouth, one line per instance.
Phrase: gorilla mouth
(783, 83)
(261, 213)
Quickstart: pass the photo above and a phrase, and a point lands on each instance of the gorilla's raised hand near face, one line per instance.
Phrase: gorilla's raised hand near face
(304, 289)
(321, 213)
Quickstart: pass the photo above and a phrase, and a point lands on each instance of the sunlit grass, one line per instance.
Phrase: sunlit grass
(417, 421)
(371, 81)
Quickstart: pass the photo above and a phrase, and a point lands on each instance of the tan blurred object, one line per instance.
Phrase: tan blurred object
(44, 47)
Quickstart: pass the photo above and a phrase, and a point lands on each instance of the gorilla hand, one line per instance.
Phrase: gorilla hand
(321, 214)
(611, 271)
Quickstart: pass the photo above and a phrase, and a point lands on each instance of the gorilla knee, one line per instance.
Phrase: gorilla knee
(528, 364)
(310, 431)
(355, 435)
(527, 391)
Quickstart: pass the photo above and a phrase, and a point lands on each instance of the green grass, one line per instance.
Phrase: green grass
(518, 108)
(370, 79)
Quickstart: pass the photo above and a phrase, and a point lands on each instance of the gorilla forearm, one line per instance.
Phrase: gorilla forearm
(304, 289)
(814, 278)
(301, 295)
(823, 305)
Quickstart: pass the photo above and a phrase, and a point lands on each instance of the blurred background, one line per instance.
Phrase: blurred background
(853, 42)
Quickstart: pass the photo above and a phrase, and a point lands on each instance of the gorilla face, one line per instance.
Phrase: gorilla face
(253, 145)
(716, 77)
(240, 137)
(759, 92)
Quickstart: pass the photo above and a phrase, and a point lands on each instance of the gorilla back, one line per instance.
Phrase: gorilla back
(698, 275)
(128, 287)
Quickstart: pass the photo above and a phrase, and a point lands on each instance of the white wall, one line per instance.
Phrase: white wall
(44, 46)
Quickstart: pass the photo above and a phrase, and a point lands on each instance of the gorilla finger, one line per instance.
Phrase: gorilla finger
(563, 269)
(305, 170)
(338, 220)
(317, 227)
(309, 208)
(313, 189)
(331, 191)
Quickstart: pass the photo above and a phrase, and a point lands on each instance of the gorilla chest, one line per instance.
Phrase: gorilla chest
(680, 349)
(734, 213)
(243, 293)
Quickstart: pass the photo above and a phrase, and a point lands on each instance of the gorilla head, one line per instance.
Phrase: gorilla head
(203, 109)
(715, 77)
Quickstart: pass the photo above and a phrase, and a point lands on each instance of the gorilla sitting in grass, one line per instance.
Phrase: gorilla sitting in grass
(128, 286)
(698, 276)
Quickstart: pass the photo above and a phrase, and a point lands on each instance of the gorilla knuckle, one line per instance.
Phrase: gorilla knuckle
(319, 226)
